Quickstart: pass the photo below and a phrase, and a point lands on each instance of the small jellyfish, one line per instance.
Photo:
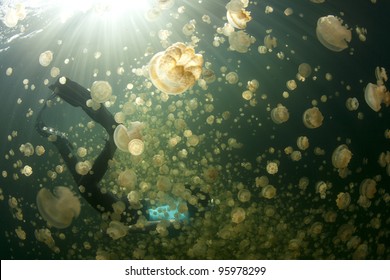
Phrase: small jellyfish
(332, 34)
(122, 135)
(240, 41)
(60, 208)
(312, 118)
(127, 179)
(231, 78)
(238, 215)
(303, 142)
(272, 167)
(238, 19)
(244, 195)
(117, 230)
(268, 192)
(368, 188)
(341, 157)
(304, 70)
(279, 114)
(352, 104)
(136, 147)
(375, 95)
(343, 200)
(45, 58)
(101, 91)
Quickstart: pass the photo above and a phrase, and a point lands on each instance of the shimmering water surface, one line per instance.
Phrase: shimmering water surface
(219, 93)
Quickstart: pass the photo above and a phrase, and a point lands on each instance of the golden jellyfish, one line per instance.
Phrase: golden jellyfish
(101, 91)
(117, 230)
(341, 156)
(127, 179)
(332, 34)
(123, 136)
(343, 200)
(368, 188)
(312, 118)
(208, 75)
(244, 195)
(240, 41)
(261, 181)
(291, 84)
(381, 75)
(270, 42)
(232, 78)
(165, 4)
(268, 192)
(45, 58)
(272, 167)
(176, 69)
(238, 215)
(375, 95)
(304, 70)
(136, 147)
(238, 18)
(279, 114)
(58, 208)
(83, 167)
(302, 142)
(352, 103)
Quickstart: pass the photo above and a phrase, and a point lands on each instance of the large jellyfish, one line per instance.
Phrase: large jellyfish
(176, 69)
(332, 34)
(60, 208)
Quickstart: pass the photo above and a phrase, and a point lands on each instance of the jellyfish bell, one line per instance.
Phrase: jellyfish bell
(176, 69)
(117, 230)
(280, 114)
(123, 136)
(312, 118)
(368, 188)
(240, 41)
(45, 58)
(58, 208)
(238, 19)
(136, 147)
(101, 91)
(375, 95)
(332, 34)
(341, 156)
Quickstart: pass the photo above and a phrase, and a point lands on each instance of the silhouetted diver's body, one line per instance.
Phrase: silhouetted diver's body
(77, 96)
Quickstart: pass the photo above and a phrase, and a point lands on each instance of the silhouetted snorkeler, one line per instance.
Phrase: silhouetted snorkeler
(77, 96)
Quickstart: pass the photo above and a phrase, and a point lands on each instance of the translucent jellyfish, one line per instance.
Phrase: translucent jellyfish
(27, 170)
(232, 78)
(272, 167)
(352, 103)
(343, 200)
(123, 136)
(127, 179)
(238, 215)
(341, 156)
(136, 147)
(368, 188)
(117, 230)
(240, 41)
(270, 42)
(60, 208)
(244, 195)
(83, 167)
(238, 19)
(332, 34)
(279, 114)
(321, 188)
(208, 75)
(304, 70)
(45, 58)
(101, 91)
(176, 69)
(312, 118)
(303, 142)
(375, 95)
(268, 192)
(291, 84)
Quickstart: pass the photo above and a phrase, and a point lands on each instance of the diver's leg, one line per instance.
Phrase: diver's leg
(77, 96)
